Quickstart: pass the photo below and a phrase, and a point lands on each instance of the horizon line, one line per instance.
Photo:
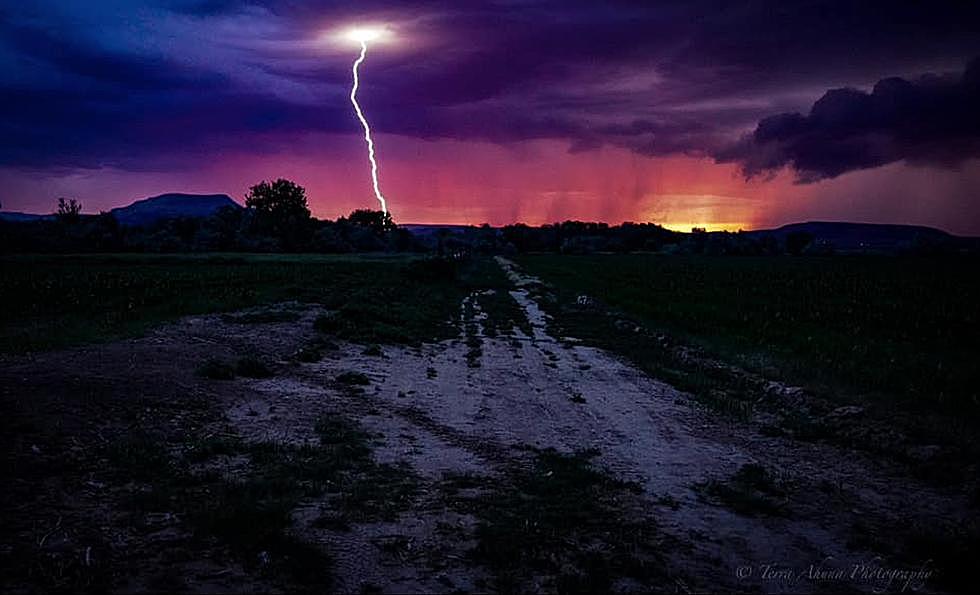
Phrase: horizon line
(685, 228)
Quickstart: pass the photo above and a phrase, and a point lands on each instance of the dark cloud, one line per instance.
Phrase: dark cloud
(71, 57)
(934, 121)
(141, 84)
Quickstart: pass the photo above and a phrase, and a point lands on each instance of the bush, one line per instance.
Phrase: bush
(433, 270)
(216, 370)
(353, 379)
(328, 323)
(309, 355)
(252, 368)
(373, 350)
(797, 241)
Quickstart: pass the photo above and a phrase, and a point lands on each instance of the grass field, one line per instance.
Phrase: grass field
(901, 328)
(57, 301)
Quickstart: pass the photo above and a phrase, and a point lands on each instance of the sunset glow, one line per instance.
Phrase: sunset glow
(686, 227)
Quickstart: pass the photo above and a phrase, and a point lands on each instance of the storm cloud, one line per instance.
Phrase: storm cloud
(934, 121)
(152, 84)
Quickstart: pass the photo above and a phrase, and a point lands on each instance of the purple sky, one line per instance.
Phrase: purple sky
(718, 113)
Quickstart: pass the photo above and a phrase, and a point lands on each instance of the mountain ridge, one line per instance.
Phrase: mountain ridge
(847, 235)
(170, 206)
(146, 211)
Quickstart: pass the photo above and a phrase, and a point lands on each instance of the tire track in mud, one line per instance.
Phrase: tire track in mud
(486, 450)
(459, 448)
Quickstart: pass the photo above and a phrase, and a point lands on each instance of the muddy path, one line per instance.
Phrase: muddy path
(705, 502)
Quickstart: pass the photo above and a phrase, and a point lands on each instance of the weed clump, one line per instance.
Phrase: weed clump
(216, 370)
(353, 379)
(201, 450)
(557, 520)
(252, 514)
(473, 340)
(251, 367)
(328, 323)
(309, 355)
(433, 270)
(751, 491)
(141, 456)
(261, 317)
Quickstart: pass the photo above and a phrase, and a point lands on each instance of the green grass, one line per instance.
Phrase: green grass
(200, 450)
(216, 370)
(373, 350)
(140, 457)
(251, 367)
(353, 379)
(251, 511)
(503, 313)
(309, 354)
(751, 491)
(418, 305)
(557, 522)
(906, 330)
(262, 317)
(473, 341)
(58, 301)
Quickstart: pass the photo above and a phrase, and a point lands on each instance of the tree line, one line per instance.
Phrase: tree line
(277, 218)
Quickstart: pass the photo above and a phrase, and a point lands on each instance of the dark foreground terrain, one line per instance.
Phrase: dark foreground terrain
(558, 424)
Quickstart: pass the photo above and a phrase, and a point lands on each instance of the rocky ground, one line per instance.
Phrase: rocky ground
(501, 460)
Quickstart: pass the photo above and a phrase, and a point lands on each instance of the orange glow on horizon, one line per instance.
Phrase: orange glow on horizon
(535, 182)
(707, 226)
(462, 183)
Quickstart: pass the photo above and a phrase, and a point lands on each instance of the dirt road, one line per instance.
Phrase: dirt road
(726, 506)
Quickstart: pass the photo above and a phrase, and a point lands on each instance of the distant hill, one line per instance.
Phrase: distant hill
(428, 229)
(150, 210)
(16, 217)
(171, 206)
(860, 236)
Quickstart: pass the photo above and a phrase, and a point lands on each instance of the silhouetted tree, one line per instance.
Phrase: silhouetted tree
(104, 233)
(281, 211)
(797, 241)
(328, 238)
(69, 209)
(378, 221)
(223, 228)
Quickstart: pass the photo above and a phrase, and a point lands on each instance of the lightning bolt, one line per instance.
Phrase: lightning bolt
(367, 130)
